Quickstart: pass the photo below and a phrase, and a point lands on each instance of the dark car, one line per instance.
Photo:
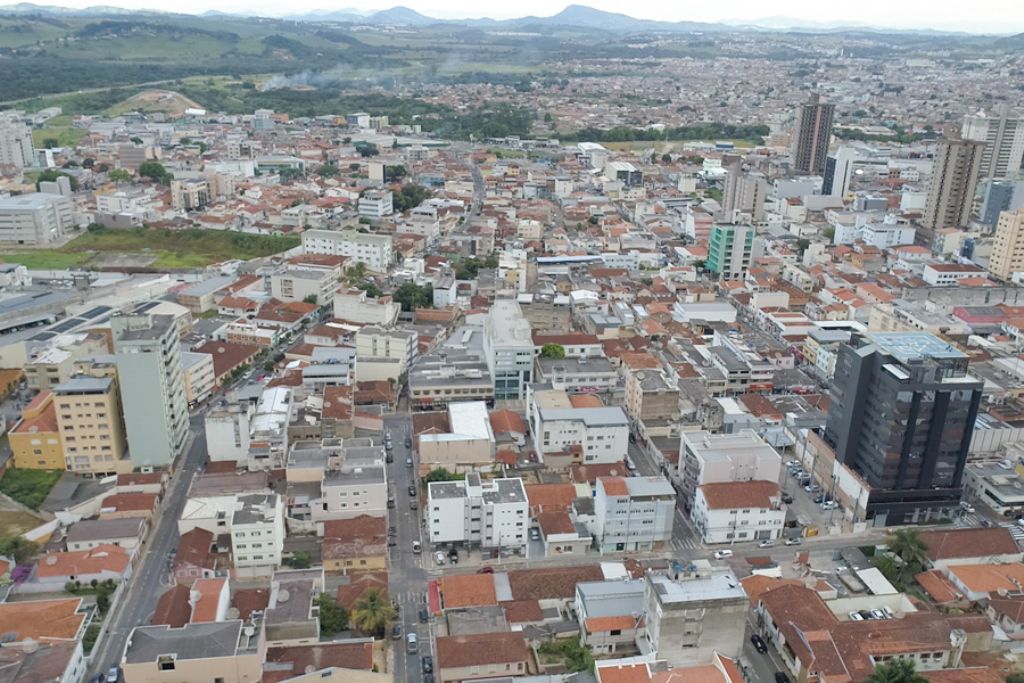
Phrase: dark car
(759, 643)
(781, 677)
(408, 442)
(424, 615)
(428, 664)
(485, 570)
(787, 499)
(396, 632)
(412, 490)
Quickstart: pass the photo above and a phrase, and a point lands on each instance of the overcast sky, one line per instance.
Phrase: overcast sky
(999, 16)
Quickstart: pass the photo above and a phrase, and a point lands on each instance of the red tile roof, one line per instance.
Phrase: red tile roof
(456, 652)
(740, 494)
(173, 609)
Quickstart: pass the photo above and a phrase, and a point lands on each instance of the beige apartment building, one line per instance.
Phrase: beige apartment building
(89, 420)
(1008, 246)
(225, 652)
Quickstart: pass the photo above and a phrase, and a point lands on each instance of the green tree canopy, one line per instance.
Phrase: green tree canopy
(555, 351)
(413, 296)
(120, 175)
(896, 671)
(51, 174)
(441, 474)
(155, 171)
(333, 617)
(17, 547)
(373, 612)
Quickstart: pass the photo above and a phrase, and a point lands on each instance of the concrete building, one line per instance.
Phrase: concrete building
(577, 435)
(352, 489)
(35, 438)
(15, 143)
(692, 617)
(1003, 135)
(1008, 246)
(376, 204)
(706, 458)
(203, 296)
(508, 349)
(199, 376)
(89, 413)
(633, 513)
(458, 371)
(353, 305)
(376, 251)
(812, 136)
(224, 652)
(738, 511)
(839, 172)
(383, 353)
(951, 189)
(729, 250)
(35, 219)
(576, 375)
(257, 534)
(743, 196)
(468, 443)
(501, 655)
(190, 195)
(917, 386)
(609, 615)
(999, 196)
(148, 357)
(299, 285)
(491, 514)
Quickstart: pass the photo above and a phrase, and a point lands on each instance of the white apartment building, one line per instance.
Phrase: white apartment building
(602, 433)
(485, 514)
(706, 458)
(199, 376)
(257, 534)
(739, 511)
(1003, 135)
(299, 284)
(508, 348)
(35, 218)
(355, 306)
(227, 432)
(376, 204)
(376, 251)
(351, 490)
(15, 143)
(633, 513)
(383, 353)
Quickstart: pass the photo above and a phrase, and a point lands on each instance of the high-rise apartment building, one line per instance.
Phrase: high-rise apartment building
(954, 177)
(1008, 246)
(999, 196)
(812, 135)
(89, 419)
(15, 143)
(729, 250)
(743, 196)
(1003, 135)
(838, 172)
(901, 415)
(508, 347)
(148, 357)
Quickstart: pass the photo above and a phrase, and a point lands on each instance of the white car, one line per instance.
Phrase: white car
(793, 541)
(855, 616)
(768, 543)
(722, 554)
(439, 558)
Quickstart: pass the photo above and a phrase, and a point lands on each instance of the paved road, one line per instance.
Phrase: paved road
(407, 581)
(137, 606)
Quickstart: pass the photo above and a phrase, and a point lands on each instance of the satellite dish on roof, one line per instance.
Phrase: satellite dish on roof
(51, 560)
(310, 668)
(29, 646)
(283, 595)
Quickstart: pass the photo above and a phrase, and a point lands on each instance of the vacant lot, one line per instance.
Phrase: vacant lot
(29, 487)
(168, 249)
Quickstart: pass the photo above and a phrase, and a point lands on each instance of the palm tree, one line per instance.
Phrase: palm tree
(909, 547)
(373, 612)
(896, 671)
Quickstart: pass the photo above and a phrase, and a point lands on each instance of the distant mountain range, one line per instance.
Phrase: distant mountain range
(573, 16)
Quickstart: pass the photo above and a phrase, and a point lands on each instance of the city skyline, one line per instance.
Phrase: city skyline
(796, 14)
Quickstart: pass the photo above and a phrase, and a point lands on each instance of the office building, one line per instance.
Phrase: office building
(1003, 135)
(508, 348)
(478, 513)
(89, 419)
(375, 251)
(729, 250)
(838, 172)
(15, 143)
(148, 357)
(743, 196)
(573, 430)
(257, 534)
(951, 190)
(376, 204)
(190, 195)
(633, 513)
(901, 416)
(1008, 246)
(812, 135)
(35, 219)
(999, 196)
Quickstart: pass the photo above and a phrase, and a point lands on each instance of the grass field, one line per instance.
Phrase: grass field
(29, 487)
(172, 249)
(58, 128)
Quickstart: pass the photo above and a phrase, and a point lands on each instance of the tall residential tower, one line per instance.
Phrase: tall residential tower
(812, 135)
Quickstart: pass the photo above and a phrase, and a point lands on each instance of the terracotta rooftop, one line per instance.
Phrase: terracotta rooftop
(482, 648)
(42, 619)
(45, 421)
(506, 422)
(359, 583)
(550, 496)
(590, 473)
(989, 578)
(968, 543)
(550, 583)
(468, 590)
(740, 494)
(204, 608)
(613, 486)
(124, 502)
(194, 548)
(102, 558)
(173, 609)
(227, 356)
(289, 662)
(249, 600)
(522, 611)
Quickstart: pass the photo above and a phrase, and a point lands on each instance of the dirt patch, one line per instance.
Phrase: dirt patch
(166, 101)
(18, 522)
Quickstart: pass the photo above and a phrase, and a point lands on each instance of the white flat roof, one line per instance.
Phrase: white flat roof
(470, 419)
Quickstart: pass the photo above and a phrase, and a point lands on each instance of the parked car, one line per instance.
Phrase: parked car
(722, 554)
(439, 558)
(781, 677)
(966, 507)
(427, 663)
(416, 547)
(759, 643)
(534, 534)
(408, 461)
(408, 442)
(878, 614)
(787, 499)
(855, 616)
(795, 540)
(424, 615)
(412, 490)
(888, 612)
(114, 674)
(485, 570)
(396, 632)
(767, 543)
